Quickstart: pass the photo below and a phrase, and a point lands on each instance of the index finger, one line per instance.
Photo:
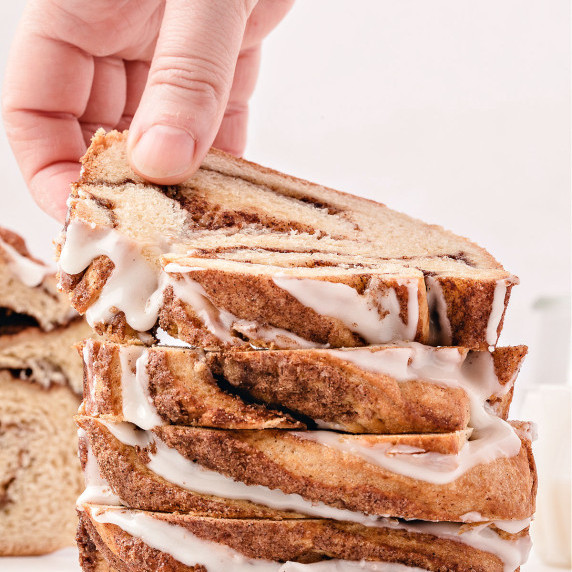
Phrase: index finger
(46, 89)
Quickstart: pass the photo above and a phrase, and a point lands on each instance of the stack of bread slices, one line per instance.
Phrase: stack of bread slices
(287, 378)
(40, 390)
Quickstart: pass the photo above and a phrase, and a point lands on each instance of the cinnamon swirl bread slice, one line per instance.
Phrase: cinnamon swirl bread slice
(356, 272)
(380, 389)
(120, 539)
(318, 473)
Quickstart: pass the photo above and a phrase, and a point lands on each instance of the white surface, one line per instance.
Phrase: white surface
(66, 561)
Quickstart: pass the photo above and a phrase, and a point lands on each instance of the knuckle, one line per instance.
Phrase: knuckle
(198, 78)
(198, 81)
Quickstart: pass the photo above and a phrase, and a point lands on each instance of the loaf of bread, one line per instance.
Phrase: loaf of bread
(46, 358)
(381, 389)
(117, 539)
(28, 291)
(240, 255)
(40, 391)
(40, 476)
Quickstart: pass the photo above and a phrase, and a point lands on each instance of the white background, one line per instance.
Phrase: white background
(454, 111)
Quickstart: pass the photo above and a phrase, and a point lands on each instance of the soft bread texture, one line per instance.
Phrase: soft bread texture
(40, 390)
(46, 358)
(499, 490)
(231, 213)
(40, 475)
(107, 547)
(246, 389)
(41, 305)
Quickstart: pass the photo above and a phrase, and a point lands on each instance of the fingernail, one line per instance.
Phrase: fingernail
(163, 151)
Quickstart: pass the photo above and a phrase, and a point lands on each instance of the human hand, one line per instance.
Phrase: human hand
(178, 73)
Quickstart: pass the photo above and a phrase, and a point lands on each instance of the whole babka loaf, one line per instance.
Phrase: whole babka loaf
(28, 292)
(40, 390)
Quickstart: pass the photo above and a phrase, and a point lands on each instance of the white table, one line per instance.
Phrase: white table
(66, 561)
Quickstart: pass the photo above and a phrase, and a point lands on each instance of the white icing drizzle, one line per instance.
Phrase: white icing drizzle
(440, 333)
(29, 272)
(97, 489)
(191, 550)
(436, 468)
(512, 553)
(165, 339)
(220, 322)
(491, 438)
(409, 361)
(175, 468)
(133, 286)
(472, 516)
(188, 549)
(513, 526)
(279, 337)
(137, 404)
(359, 312)
(496, 312)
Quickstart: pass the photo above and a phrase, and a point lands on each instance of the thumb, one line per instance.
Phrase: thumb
(187, 88)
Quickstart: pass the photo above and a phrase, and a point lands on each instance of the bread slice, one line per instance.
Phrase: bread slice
(240, 254)
(138, 467)
(28, 291)
(112, 538)
(382, 389)
(40, 476)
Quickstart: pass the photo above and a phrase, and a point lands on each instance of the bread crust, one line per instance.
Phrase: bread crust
(192, 387)
(181, 386)
(500, 490)
(305, 541)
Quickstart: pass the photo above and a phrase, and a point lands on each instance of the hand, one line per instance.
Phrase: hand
(178, 73)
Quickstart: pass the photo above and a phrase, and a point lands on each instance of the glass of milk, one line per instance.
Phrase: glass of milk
(548, 402)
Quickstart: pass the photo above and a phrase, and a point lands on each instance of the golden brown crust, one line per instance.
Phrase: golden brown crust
(141, 488)
(305, 541)
(501, 489)
(181, 386)
(191, 387)
(94, 557)
(470, 298)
